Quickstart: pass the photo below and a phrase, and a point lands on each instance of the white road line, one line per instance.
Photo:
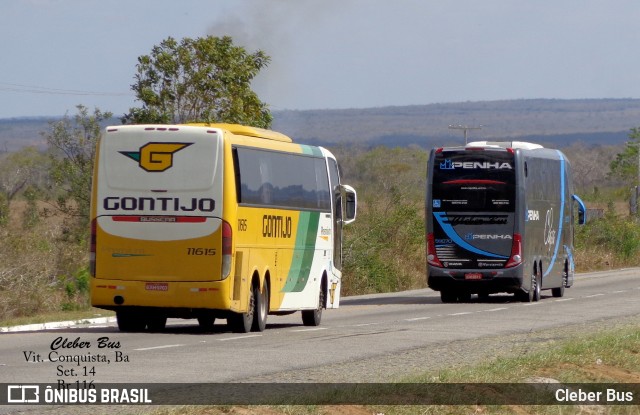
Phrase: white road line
(365, 324)
(240, 337)
(313, 329)
(159, 347)
(564, 299)
(417, 318)
(460, 314)
(616, 292)
(494, 309)
(594, 295)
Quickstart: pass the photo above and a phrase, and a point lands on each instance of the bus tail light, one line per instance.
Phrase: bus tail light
(432, 257)
(516, 251)
(92, 250)
(227, 239)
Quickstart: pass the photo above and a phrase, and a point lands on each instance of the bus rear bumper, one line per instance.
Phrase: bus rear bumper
(475, 281)
(177, 296)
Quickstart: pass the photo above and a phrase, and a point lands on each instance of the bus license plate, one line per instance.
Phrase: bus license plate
(156, 286)
(473, 276)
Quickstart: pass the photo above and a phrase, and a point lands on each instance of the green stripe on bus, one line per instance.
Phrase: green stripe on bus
(314, 151)
(304, 251)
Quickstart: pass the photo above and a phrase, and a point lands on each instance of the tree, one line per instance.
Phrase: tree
(19, 171)
(199, 80)
(72, 146)
(625, 165)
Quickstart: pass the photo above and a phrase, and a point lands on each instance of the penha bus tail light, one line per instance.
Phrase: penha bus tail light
(516, 252)
(432, 257)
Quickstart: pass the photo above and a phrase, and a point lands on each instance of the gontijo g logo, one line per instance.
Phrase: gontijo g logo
(155, 157)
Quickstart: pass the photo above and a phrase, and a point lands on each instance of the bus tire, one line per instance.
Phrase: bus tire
(447, 296)
(313, 317)
(559, 291)
(206, 323)
(261, 308)
(130, 322)
(242, 322)
(536, 287)
(464, 297)
(533, 294)
(156, 323)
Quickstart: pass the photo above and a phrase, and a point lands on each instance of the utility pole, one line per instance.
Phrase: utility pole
(465, 128)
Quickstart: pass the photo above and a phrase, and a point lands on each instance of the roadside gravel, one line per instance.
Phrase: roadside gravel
(389, 368)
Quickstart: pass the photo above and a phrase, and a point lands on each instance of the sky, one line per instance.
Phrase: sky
(326, 54)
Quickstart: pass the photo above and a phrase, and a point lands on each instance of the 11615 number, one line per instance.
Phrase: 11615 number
(201, 251)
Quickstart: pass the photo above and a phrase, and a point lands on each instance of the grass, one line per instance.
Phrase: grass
(57, 316)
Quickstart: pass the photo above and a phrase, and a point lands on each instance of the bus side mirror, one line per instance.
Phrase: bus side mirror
(582, 210)
(351, 204)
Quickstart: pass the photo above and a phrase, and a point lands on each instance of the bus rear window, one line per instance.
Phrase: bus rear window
(474, 181)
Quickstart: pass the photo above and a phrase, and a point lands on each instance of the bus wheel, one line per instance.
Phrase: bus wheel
(261, 308)
(447, 296)
(535, 286)
(559, 292)
(156, 323)
(534, 290)
(206, 323)
(313, 317)
(464, 297)
(241, 322)
(128, 321)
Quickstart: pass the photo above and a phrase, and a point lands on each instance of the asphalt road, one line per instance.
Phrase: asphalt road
(364, 329)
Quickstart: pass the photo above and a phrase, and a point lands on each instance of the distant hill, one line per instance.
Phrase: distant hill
(547, 121)
(16, 133)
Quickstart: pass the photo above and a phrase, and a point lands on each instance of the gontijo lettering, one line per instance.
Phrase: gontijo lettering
(276, 226)
(162, 204)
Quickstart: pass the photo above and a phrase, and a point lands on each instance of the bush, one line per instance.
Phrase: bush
(384, 250)
(609, 242)
(39, 270)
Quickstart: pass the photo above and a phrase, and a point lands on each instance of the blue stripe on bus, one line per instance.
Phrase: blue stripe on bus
(451, 233)
(560, 218)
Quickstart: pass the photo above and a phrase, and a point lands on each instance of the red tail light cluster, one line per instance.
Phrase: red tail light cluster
(227, 248)
(92, 249)
(516, 251)
(432, 257)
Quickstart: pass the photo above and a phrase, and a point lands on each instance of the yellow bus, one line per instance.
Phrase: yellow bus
(215, 221)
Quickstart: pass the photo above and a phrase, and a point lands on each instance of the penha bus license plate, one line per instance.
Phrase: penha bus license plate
(473, 276)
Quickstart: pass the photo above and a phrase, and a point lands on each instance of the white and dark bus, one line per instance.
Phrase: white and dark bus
(500, 218)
